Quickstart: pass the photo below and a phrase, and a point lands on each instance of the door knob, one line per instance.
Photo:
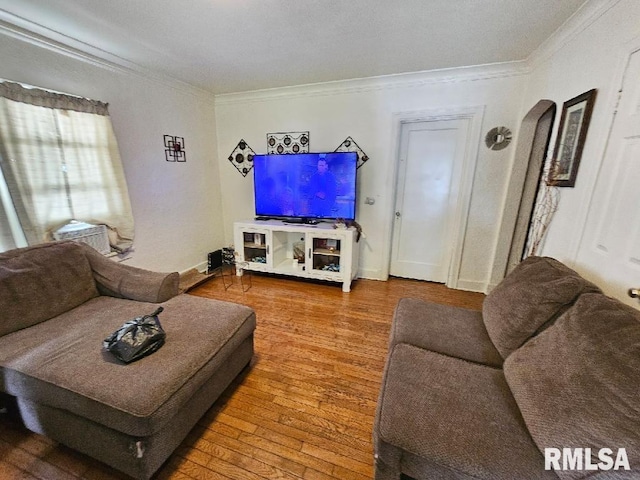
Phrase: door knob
(398, 214)
(634, 292)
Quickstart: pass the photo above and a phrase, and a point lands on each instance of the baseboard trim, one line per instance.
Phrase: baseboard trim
(370, 274)
(471, 286)
(201, 267)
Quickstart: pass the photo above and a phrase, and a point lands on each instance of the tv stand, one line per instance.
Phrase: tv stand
(301, 250)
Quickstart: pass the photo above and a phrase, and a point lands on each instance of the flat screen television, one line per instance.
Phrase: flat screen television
(305, 186)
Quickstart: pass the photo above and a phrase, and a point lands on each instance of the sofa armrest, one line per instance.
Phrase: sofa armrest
(124, 281)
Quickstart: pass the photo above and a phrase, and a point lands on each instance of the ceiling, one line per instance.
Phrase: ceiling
(225, 46)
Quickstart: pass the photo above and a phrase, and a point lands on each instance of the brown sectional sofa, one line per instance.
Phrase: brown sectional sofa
(550, 362)
(59, 301)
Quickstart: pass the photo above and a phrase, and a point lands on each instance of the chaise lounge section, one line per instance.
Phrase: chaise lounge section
(59, 301)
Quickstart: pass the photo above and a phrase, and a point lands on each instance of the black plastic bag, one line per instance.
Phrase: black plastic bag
(137, 338)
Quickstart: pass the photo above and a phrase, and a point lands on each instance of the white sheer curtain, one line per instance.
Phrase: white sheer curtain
(60, 162)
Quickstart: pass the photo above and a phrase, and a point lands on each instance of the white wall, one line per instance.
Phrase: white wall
(587, 56)
(176, 206)
(364, 110)
(184, 210)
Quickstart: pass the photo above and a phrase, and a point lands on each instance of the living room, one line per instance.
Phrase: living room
(203, 199)
(183, 211)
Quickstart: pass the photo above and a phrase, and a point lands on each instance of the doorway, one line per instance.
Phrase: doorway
(533, 178)
(433, 187)
(531, 150)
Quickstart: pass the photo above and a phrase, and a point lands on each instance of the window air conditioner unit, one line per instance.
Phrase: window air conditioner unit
(93, 235)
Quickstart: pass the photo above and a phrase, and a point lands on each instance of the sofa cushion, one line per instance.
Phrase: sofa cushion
(40, 282)
(457, 332)
(61, 363)
(455, 414)
(577, 383)
(529, 299)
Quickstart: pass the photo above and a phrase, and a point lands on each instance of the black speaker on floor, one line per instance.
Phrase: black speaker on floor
(214, 261)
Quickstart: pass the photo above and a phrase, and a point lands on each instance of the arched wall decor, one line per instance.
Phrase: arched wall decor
(288, 142)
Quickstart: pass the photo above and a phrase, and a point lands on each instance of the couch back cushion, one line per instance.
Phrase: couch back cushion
(577, 384)
(529, 299)
(37, 283)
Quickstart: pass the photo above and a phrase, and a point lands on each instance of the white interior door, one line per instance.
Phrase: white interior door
(431, 156)
(611, 244)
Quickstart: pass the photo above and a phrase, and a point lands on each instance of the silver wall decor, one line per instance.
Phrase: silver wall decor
(350, 145)
(288, 142)
(498, 138)
(242, 157)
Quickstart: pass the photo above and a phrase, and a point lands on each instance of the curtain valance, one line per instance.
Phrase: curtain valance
(45, 98)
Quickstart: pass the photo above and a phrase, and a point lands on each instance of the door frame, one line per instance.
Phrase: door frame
(518, 176)
(475, 116)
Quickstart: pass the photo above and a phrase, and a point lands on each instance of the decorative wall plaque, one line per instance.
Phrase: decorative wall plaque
(242, 157)
(288, 142)
(350, 145)
(498, 138)
(174, 149)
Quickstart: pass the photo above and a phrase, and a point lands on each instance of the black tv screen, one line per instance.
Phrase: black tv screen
(306, 185)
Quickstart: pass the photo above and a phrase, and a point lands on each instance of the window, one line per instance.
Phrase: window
(59, 162)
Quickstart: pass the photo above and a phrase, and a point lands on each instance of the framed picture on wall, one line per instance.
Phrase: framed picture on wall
(572, 133)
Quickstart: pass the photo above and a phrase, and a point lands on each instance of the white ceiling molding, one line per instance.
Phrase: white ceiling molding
(227, 47)
(582, 19)
(383, 82)
(34, 34)
(30, 32)
(52, 39)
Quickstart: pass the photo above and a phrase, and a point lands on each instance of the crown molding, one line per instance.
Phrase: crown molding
(383, 82)
(586, 15)
(40, 36)
(44, 37)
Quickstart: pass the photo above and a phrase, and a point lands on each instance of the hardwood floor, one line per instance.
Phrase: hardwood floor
(303, 410)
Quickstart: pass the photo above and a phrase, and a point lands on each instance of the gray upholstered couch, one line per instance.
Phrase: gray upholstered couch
(550, 362)
(59, 301)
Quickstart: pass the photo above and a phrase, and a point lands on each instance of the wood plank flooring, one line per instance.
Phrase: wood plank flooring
(303, 410)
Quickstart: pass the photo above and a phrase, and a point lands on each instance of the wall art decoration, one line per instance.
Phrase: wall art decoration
(350, 145)
(288, 142)
(498, 138)
(242, 157)
(174, 149)
(572, 133)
